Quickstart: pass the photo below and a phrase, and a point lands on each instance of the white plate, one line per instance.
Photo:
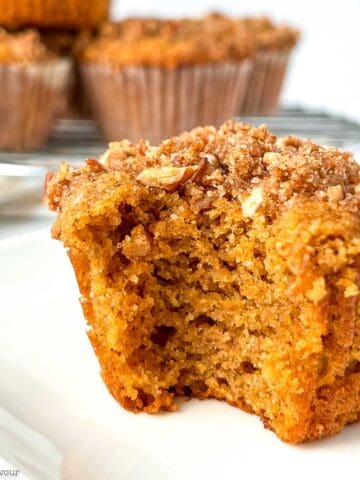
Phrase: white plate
(57, 419)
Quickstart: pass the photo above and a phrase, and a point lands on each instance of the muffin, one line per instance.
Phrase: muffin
(53, 13)
(274, 46)
(221, 264)
(32, 80)
(66, 43)
(151, 78)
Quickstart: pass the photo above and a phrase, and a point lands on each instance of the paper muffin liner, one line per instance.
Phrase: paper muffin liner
(265, 83)
(156, 103)
(75, 103)
(29, 101)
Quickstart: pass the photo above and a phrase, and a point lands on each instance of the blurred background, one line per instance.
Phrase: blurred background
(325, 69)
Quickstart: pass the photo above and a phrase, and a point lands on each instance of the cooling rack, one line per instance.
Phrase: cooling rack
(74, 140)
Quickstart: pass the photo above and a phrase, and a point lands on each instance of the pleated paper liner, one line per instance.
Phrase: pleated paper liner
(29, 99)
(75, 104)
(265, 83)
(156, 103)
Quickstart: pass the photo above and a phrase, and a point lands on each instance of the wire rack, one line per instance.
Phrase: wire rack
(74, 140)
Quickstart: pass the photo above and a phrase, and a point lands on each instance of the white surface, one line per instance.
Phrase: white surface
(325, 71)
(57, 419)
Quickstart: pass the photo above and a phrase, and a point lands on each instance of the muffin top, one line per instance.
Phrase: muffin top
(269, 36)
(238, 161)
(265, 33)
(24, 47)
(169, 43)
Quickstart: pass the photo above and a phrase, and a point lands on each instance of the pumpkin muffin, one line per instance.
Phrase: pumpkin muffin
(66, 43)
(274, 45)
(32, 79)
(77, 14)
(221, 263)
(152, 78)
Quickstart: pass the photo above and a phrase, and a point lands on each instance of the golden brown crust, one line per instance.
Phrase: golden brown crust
(140, 401)
(335, 406)
(53, 13)
(221, 264)
(169, 43)
(269, 36)
(172, 42)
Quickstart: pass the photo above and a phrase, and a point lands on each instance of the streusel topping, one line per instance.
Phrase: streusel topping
(206, 164)
(170, 42)
(24, 47)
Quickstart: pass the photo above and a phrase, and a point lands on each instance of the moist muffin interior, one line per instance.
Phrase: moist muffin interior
(221, 264)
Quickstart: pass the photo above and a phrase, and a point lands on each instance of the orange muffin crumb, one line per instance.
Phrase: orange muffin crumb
(221, 263)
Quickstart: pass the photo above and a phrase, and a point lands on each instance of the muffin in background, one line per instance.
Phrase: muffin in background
(32, 79)
(65, 43)
(274, 45)
(53, 13)
(151, 78)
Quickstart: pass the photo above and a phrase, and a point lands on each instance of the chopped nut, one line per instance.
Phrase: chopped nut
(105, 156)
(318, 290)
(95, 165)
(168, 178)
(351, 290)
(251, 204)
(63, 172)
(212, 159)
(203, 167)
(215, 178)
(271, 158)
(335, 193)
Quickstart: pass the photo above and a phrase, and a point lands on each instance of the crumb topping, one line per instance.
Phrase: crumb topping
(172, 42)
(238, 161)
(24, 47)
(269, 36)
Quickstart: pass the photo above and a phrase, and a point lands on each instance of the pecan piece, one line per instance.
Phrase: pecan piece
(335, 193)
(169, 178)
(95, 165)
